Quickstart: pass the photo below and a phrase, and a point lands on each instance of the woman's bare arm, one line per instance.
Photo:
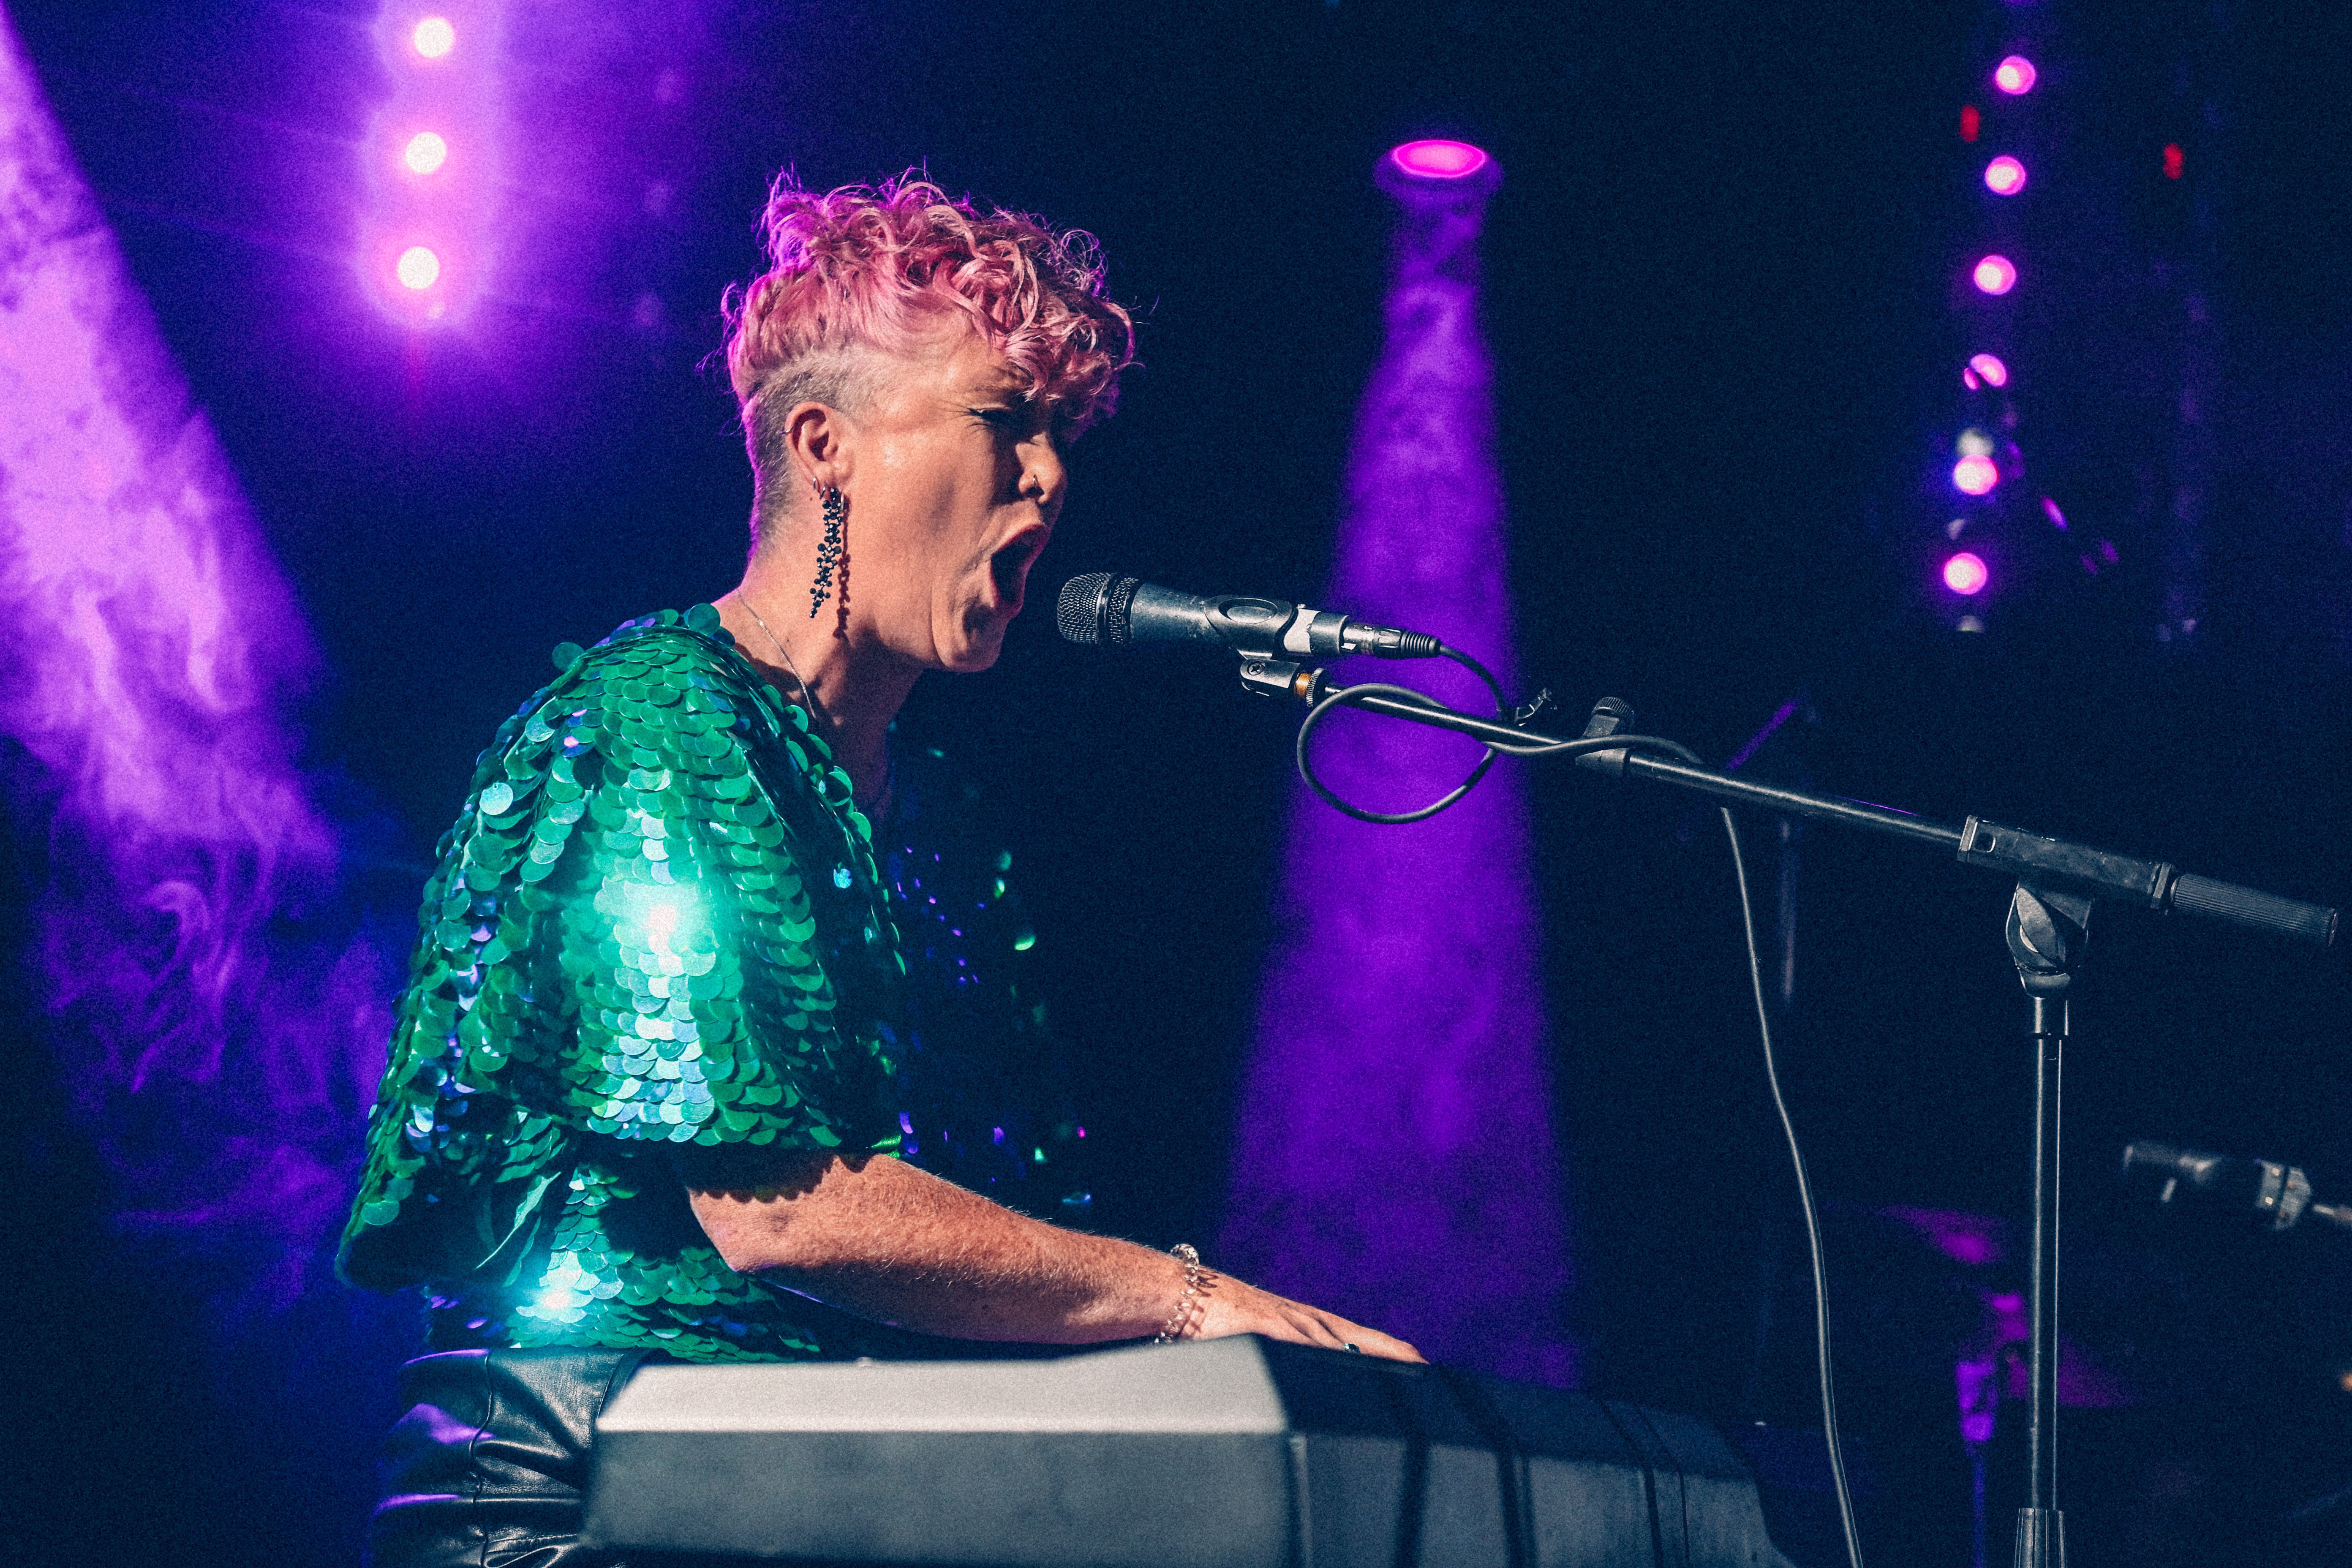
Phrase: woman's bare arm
(878, 1237)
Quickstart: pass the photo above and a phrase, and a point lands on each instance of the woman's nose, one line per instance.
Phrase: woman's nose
(1042, 478)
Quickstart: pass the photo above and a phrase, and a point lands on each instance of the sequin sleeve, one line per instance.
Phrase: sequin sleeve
(657, 920)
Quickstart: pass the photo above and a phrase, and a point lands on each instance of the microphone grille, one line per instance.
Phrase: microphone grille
(1078, 613)
(1093, 609)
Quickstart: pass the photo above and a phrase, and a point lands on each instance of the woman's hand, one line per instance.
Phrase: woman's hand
(1229, 1306)
(876, 1236)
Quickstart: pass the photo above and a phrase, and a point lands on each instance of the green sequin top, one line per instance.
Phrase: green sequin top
(658, 922)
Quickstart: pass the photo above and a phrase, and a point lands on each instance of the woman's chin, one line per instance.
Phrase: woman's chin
(976, 649)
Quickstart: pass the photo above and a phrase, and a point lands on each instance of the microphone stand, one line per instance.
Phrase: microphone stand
(2058, 883)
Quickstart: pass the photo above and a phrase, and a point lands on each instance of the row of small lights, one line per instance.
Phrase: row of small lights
(1977, 472)
(418, 267)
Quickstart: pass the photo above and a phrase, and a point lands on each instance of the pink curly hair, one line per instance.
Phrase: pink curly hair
(863, 271)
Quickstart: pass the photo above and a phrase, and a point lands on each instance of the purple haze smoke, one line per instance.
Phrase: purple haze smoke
(218, 1053)
(1394, 1157)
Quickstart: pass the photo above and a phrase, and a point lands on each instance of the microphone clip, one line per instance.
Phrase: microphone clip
(1282, 678)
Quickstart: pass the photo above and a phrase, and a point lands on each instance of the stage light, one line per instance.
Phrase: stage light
(1438, 159)
(1995, 274)
(2173, 160)
(1966, 575)
(2050, 510)
(426, 152)
(1990, 370)
(2004, 176)
(1443, 1020)
(2014, 75)
(434, 37)
(1974, 443)
(1975, 475)
(1970, 122)
(418, 268)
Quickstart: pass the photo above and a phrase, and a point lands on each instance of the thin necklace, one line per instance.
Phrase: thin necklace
(798, 678)
(889, 764)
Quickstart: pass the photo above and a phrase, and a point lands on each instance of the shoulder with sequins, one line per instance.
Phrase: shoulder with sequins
(675, 671)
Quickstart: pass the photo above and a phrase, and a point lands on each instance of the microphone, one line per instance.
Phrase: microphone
(1100, 607)
(2274, 1194)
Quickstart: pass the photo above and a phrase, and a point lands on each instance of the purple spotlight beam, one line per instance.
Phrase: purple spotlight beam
(1394, 1156)
(151, 645)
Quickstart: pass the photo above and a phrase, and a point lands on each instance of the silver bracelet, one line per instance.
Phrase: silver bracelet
(1194, 1277)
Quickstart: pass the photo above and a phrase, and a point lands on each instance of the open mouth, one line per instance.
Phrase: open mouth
(1010, 565)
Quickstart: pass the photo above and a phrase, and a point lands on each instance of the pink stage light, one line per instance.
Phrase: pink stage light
(1966, 573)
(435, 37)
(1439, 159)
(1974, 476)
(1971, 122)
(2175, 161)
(418, 268)
(1995, 274)
(2004, 176)
(2014, 75)
(1990, 370)
(426, 152)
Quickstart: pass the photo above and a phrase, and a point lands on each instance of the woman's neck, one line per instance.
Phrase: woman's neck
(851, 695)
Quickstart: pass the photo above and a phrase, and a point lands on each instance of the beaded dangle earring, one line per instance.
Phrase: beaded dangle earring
(841, 599)
(828, 549)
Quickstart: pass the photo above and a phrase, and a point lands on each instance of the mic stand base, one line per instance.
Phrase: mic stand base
(2041, 1538)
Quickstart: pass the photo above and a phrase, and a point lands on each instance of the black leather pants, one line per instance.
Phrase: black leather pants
(487, 1466)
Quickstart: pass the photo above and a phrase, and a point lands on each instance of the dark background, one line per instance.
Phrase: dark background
(1719, 281)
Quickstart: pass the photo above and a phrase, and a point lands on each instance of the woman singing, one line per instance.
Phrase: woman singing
(640, 1099)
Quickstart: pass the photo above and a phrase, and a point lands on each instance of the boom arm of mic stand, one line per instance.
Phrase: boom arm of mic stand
(2057, 864)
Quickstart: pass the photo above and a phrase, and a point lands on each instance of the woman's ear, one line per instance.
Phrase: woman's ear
(817, 437)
